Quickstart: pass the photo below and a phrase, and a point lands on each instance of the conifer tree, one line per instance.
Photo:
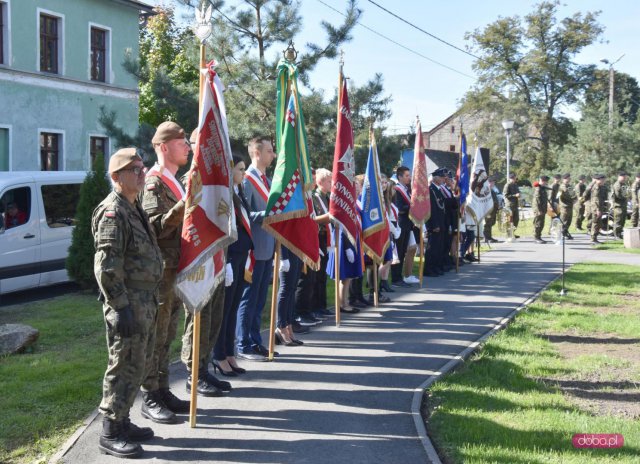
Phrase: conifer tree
(93, 190)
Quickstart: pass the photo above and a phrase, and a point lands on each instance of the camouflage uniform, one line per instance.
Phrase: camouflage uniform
(598, 206)
(555, 190)
(635, 202)
(165, 215)
(128, 268)
(510, 190)
(566, 199)
(210, 322)
(619, 200)
(539, 209)
(490, 218)
(587, 205)
(580, 189)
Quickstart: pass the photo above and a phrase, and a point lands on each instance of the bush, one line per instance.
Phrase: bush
(80, 260)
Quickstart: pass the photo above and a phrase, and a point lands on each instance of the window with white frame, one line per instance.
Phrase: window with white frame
(51, 40)
(5, 154)
(4, 33)
(98, 146)
(51, 151)
(99, 53)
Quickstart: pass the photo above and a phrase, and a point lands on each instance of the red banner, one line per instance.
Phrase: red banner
(342, 203)
(420, 208)
(209, 221)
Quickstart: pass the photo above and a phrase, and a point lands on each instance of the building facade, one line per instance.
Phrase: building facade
(446, 135)
(60, 63)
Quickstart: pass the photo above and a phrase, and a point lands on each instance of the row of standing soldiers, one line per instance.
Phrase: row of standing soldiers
(589, 200)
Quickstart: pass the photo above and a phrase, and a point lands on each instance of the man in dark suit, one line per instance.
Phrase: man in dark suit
(435, 227)
(402, 200)
(256, 187)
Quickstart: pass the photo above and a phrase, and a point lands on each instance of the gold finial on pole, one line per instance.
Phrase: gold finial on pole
(290, 53)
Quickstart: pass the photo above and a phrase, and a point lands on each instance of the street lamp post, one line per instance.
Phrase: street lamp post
(507, 124)
(611, 86)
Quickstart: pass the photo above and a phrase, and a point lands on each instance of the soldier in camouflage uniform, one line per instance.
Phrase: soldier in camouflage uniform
(580, 188)
(210, 322)
(162, 201)
(619, 201)
(511, 193)
(490, 218)
(539, 207)
(635, 200)
(598, 206)
(566, 199)
(128, 269)
(587, 203)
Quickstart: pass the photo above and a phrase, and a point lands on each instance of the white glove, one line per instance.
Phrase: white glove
(228, 277)
(321, 253)
(396, 233)
(350, 256)
(284, 265)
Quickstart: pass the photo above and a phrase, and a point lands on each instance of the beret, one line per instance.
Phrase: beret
(122, 158)
(167, 131)
(566, 176)
(544, 178)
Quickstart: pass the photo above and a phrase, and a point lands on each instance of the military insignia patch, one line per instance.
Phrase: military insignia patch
(151, 186)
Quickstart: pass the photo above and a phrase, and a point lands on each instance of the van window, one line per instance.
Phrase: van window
(15, 206)
(60, 203)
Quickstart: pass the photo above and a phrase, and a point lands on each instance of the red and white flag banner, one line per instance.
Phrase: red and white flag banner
(209, 219)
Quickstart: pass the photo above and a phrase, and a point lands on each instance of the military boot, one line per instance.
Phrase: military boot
(135, 433)
(174, 403)
(219, 384)
(204, 387)
(114, 440)
(153, 408)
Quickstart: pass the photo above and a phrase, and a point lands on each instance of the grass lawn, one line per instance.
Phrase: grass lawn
(566, 365)
(49, 391)
(616, 245)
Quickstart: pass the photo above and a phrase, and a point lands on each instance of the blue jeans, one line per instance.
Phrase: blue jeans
(287, 291)
(251, 305)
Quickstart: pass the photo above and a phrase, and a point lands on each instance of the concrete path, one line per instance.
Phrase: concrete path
(345, 396)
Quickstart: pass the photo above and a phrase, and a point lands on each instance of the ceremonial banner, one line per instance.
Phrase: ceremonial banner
(375, 228)
(479, 200)
(420, 208)
(209, 218)
(289, 212)
(462, 173)
(342, 203)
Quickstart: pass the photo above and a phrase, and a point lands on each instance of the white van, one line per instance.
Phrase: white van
(37, 211)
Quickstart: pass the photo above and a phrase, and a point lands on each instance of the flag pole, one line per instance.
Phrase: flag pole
(376, 300)
(203, 28)
(420, 269)
(274, 299)
(478, 238)
(336, 256)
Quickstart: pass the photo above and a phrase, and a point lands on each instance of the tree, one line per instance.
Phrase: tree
(527, 72)
(94, 189)
(626, 94)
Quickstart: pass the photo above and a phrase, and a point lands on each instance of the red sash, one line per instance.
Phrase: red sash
(403, 193)
(168, 179)
(262, 189)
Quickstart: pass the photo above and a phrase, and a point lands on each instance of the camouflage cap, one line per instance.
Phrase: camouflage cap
(512, 176)
(167, 131)
(623, 173)
(123, 158)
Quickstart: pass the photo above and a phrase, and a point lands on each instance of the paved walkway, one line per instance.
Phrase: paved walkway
(345, 396)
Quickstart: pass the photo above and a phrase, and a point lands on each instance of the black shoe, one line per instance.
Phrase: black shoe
(401, 284)
(327, 312)
(263, 351)
(219, 384)
(135, 433)
(493, 240)
(307, 320)
(238, 369)
(568, 236)
(364, 301)
(318, 316)
(349, 310)
(431, 274)
(174, 403)
(516, 236)
(595, 242)
(153, 408)
(217, 368)
(114, 441)
(384, 286)
(251, 356)
(539, 240)
(203, 387)
(298, 328)
(358, 304)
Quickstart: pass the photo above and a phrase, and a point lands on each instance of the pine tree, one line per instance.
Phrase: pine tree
(93, 190)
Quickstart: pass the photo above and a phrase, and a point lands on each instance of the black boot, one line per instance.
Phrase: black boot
(153, 408)
(115, 442)
(135, 433)
(203, 387)
(384, 286)
(174, 403)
